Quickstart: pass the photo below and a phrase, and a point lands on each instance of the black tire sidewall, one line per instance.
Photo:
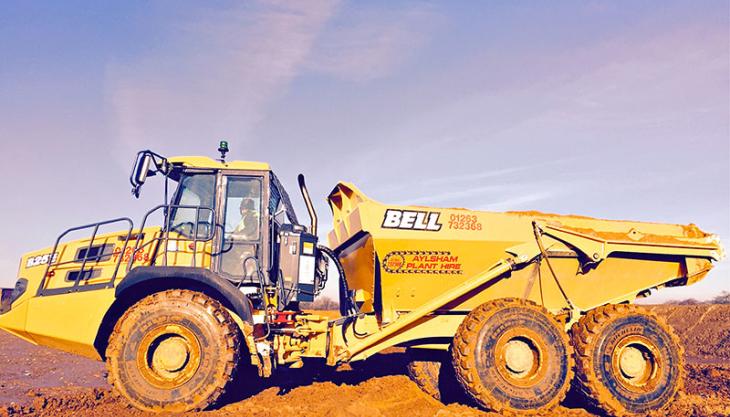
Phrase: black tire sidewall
(637, 324)
(206, 329)
(555, 379)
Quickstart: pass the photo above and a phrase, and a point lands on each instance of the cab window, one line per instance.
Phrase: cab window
(196, 191)
(243, 209)
(242, 227)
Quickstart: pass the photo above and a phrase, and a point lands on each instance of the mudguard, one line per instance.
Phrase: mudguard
(235, 299)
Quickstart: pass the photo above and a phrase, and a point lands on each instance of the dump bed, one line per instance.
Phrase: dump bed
(398, 257)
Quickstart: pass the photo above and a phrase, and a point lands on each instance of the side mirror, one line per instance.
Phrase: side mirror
(142, 168)
(140, 171)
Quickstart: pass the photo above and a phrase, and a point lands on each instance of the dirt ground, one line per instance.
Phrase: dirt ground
(42, 382)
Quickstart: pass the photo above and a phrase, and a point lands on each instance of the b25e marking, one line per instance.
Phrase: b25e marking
(40, 260)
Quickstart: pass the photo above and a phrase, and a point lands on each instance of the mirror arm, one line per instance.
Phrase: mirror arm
(142, 169)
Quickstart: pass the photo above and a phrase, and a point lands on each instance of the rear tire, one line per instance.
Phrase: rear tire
(173, 351)
(512, 356)
(432, 371)
(629, 361)
(424, 372)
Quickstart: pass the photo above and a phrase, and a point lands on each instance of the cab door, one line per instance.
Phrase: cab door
(241, 254)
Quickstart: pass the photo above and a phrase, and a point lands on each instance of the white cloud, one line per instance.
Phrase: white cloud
(213, 75)
(367, 44)
(519, 201)
(453, 194)
(503, 172)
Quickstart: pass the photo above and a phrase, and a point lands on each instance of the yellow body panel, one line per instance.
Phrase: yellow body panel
(14, 321)
(70, 320)
(203, 162)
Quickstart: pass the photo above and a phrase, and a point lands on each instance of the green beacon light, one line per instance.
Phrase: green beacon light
(223, 149)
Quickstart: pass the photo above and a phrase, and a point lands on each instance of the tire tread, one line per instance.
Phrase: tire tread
(182, 298)
(585, 335)
(464, 344)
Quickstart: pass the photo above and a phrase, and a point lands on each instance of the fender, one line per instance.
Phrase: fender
(238, 302)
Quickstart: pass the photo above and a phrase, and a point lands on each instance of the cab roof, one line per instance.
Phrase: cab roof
(210, 163)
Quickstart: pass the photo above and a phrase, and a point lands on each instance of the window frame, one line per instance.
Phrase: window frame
(177, 195)
(260, 211)
(263, 250)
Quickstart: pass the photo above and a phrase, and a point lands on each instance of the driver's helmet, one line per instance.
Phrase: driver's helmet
(248, 205)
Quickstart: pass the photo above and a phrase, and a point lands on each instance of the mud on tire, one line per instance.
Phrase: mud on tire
(431, 370)
(173, 351)
(513, 357)
(425, 373)
(628, 361)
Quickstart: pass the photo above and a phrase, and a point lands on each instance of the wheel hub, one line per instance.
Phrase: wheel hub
(518, 356)
(632, 362)
(171, 355)
(636, 363)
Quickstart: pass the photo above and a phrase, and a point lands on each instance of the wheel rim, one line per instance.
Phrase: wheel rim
(168, 356)
(637, 363)
(520, 357)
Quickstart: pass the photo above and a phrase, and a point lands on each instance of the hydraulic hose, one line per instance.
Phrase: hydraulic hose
(350, 308)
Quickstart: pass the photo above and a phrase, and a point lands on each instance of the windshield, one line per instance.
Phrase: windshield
(197, 190)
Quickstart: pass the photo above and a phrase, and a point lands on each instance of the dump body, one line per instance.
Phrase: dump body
(397, 258)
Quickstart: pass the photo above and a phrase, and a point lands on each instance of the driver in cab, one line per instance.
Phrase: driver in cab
(248, 227)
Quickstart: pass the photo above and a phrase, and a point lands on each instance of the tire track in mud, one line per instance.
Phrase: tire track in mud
(707, 342)
(701, 319)
(63, 385)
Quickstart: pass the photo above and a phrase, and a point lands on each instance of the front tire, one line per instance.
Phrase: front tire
(629, 362)
(173, 351)
(513, 357)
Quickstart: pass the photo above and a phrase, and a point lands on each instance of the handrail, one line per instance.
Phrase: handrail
(54, 257)
(196, 227)
(41, 287)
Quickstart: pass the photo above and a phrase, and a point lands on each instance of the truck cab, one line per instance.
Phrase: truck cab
(245, 213)
(228, 229)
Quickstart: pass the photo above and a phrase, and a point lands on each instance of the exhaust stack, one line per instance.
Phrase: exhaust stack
(308, 202)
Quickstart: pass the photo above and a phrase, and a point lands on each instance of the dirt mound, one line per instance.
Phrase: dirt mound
(58, 402)
(25, 367)
(394, 396)
(709, 379)
(704, 328)
(36, 381)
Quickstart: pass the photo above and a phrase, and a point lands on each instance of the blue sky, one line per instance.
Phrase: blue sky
(609, 109)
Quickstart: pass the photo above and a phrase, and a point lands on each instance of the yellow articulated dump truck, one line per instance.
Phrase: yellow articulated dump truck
(518, 306)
